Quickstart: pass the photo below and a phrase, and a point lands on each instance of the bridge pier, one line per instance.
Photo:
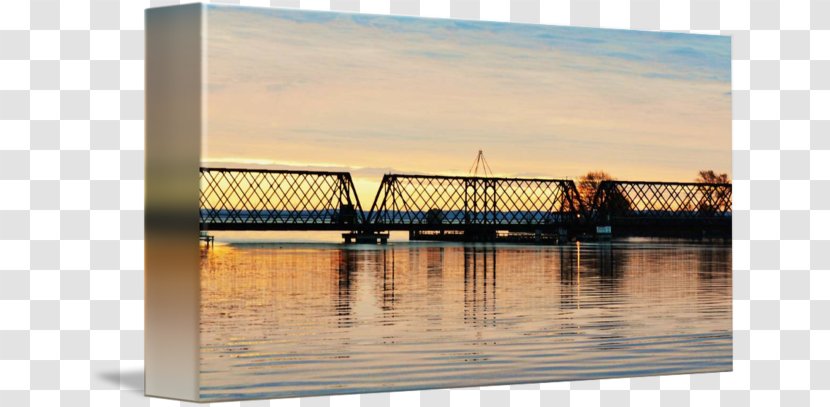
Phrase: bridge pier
(603, 232)
(207, 238)
(365, 237)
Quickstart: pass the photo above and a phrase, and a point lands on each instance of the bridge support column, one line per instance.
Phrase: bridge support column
(603, 232)
(365, 237)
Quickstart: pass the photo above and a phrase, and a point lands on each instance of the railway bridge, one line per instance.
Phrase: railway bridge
(462, 208)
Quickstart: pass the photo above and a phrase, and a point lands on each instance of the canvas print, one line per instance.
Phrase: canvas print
(394, 203)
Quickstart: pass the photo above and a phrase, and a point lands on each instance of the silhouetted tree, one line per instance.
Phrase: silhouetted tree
(588, 184)
(713, 200)
(709, 177)
(614, 202)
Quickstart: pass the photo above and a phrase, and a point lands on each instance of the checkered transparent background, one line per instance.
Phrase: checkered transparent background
(71, 195)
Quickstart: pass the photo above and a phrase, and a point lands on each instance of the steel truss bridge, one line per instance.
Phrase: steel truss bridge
(247, 199)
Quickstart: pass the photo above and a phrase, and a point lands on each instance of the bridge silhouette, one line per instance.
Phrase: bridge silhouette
(465, 208)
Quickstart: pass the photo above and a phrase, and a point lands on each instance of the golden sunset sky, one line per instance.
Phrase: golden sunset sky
(377, 94)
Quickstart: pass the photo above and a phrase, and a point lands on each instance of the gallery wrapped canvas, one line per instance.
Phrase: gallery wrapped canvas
(348, 203)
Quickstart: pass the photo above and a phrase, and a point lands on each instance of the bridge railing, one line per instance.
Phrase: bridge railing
(436, 202)
(246, 199)
(621, 201)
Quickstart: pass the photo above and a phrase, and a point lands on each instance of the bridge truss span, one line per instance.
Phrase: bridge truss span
(646, 205)
(253, 199)
(427, 202)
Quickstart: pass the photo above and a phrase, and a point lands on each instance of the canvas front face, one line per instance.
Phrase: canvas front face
(392, 203)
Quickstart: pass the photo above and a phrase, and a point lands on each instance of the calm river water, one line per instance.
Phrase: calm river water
(283, 320)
